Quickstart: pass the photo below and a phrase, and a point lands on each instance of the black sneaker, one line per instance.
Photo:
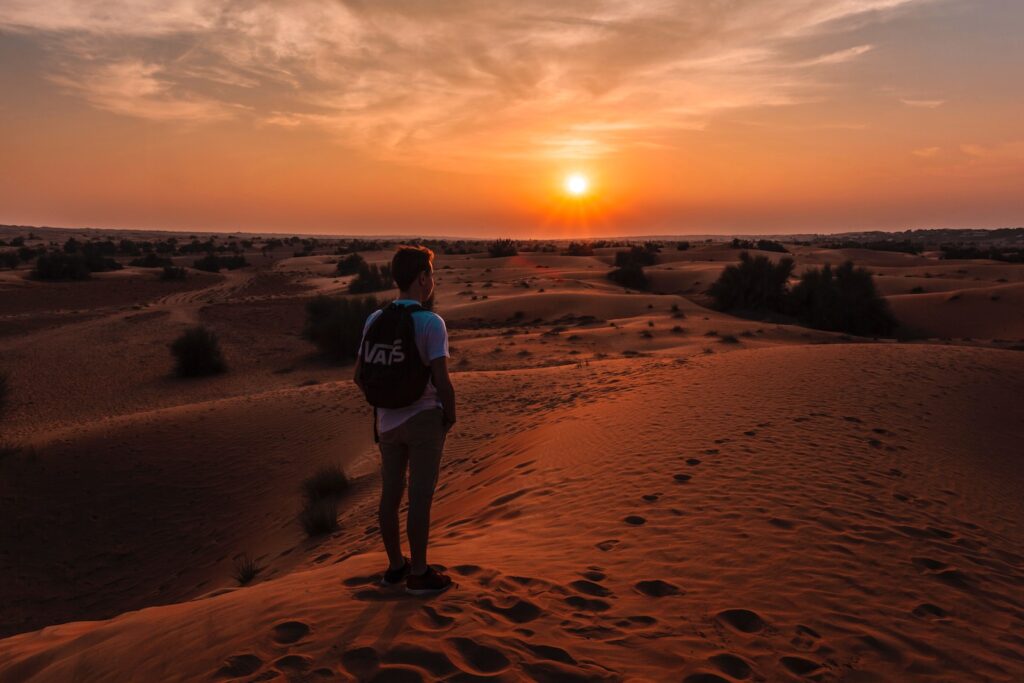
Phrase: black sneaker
(393, 577)
(430, 582)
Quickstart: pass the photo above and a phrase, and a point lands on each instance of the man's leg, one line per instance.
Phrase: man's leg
(426, 444)
(394, 458)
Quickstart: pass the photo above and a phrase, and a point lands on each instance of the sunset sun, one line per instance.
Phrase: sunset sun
(577, 184)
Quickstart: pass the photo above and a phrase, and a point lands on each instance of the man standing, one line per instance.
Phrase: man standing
(402, 369)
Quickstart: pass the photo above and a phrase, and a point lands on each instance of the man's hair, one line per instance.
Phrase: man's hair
(408, 263)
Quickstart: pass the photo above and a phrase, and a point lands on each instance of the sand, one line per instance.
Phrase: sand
(793, 505)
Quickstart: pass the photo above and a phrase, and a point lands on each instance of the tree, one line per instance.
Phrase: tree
(755, 284)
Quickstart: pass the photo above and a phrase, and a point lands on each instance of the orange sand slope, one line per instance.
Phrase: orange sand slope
(840, 512)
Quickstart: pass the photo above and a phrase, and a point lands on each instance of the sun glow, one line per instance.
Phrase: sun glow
(577, 184)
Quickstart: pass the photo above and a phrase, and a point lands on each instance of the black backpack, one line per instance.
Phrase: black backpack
(391, 372)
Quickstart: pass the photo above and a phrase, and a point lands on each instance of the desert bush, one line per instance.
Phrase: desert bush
(755, 284)
(630, 275)
(150, 260)
(642, 256)
(351, 264)
(371, 279)
(329, 481)
(212, 263)
(319, 517)
(335, 326)
(842, 299)
(61, 266)
(579, 249)
(682, 246)
(197, 353)
(246, 569)
(502, 247)
(9, 259)
(173, 273)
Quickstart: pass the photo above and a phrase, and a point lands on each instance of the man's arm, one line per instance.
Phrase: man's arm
(355, 376)
(445, 390)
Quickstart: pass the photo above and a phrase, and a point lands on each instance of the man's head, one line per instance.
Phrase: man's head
(413, 270)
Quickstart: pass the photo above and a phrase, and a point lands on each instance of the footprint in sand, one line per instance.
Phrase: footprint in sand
(799, 665)
(478, 658)
(518, 612)
(594, 574)
(240, 665)
(806, 638)
(590, 588)
(929, 611)
(587, 604)
(431, 621)
(397, 674)
(742, 620)
(731, 665)
(682, 478)
(436, 663)
(361, 662)
(290, 631)
(605, 546)
(692, 461)
(704, 677)
(293, 663)
(656, 588)
(635, 520)
(652, 497)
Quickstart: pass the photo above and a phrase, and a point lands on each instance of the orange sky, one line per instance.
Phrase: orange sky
(463, 117)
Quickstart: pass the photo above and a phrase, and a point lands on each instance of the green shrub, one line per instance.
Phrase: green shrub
(61, 266)
(197, 353)
(246, 569)
(9, 259)
(212, 263)
(630, 275)
(319, 517)
(502, 247)
(150, 260)
(173, 273)
(371, 279)
(641, 256)
(329, 481)
(755, 284)
(351, 264)
(579, 249)
(335, 325)
(843, 300)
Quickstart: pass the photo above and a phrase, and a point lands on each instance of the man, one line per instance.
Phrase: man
(412, 435)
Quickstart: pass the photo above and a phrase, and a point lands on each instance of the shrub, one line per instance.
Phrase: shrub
(630, 275)
(197, 353)
(371, 279)
(502, 247)
(329, 481)
(351, 264)
(61, 266)
(150, 260)
(639, 255)
(842, 300)
(682, 246)
(335, 326)
(319, 517)
(755, 284)
(173, 273)
(9, 259)
(246, 569)
(579, 249)
(212, 263)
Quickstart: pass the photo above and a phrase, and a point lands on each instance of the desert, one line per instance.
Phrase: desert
(640, 486)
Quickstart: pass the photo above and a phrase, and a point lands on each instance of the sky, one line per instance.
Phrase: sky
(464, 117)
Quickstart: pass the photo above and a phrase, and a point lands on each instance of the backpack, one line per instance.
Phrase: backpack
(391, 372)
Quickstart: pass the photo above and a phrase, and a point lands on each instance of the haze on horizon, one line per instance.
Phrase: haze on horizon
(461, 117)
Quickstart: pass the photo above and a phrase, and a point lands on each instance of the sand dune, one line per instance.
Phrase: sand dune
(977, 313)
(730, 517)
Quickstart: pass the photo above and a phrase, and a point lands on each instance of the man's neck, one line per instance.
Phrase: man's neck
(410, 296)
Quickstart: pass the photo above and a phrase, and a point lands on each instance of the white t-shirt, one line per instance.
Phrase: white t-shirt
(432, 343)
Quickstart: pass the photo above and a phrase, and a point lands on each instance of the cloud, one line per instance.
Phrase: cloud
(927, 152)
(925, 104)
(446, 82)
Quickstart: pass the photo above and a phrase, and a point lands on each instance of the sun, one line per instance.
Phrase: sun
(577, 184)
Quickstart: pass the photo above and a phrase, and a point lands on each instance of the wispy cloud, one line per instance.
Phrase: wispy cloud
(924, 104)
(443, 82)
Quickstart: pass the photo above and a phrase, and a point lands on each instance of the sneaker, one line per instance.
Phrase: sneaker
(393, 577)
(430, 582)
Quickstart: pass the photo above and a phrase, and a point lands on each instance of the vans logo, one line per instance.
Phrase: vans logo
(385, 354)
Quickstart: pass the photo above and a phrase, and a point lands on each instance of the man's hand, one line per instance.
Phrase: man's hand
(445, 390)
